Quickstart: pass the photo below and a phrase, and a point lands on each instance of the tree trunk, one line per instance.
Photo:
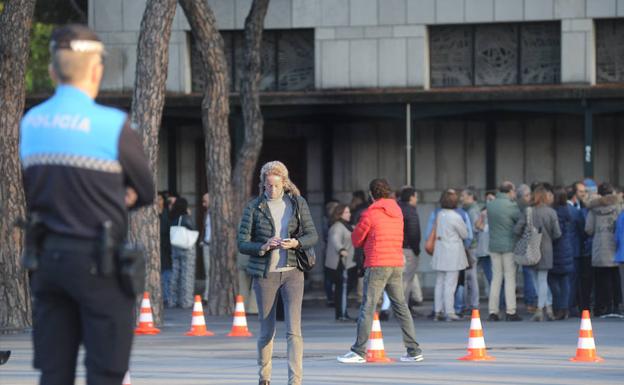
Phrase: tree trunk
(146, 112)
(250, 100)
(15, 24)
(215, 111)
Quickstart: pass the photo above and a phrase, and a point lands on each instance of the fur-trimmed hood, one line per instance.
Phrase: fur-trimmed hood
(604, 204)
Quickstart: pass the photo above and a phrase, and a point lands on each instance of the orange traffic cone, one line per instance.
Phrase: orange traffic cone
(146, 322)
(126, 379)
(198, 323)
(586, 348)
(239, 326)
(476, 342)
(375, 351)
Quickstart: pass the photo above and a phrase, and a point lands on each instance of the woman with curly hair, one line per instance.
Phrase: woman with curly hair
(273, 225)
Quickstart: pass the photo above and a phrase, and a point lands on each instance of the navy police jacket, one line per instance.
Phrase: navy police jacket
(78, 157)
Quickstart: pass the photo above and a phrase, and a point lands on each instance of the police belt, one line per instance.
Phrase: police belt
(59, 242)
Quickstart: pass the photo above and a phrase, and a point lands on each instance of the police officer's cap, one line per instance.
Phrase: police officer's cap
(77, 38)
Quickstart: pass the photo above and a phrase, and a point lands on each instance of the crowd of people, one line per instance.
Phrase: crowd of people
(582, 244)
(374, 244)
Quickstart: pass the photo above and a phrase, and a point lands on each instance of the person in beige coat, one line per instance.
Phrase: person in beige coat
(449, 255)
(600, 223)
(339, 259)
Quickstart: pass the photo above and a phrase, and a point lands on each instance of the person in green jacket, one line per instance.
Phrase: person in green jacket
(503, 213)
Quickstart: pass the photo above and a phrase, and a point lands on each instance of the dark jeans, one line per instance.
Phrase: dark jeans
(328, 285)
(608, 291)
(73, 305)
(583, 282)
(338, 279)
(375, 280)
(530, 294)
(290, 285)
(560, 288)
(486, 264)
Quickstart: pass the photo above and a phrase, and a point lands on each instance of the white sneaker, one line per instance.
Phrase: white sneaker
(407, 358)
(351, 358)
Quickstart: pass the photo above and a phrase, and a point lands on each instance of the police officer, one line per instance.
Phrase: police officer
(82, 167)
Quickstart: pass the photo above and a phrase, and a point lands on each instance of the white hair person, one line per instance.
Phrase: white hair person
(277, 168)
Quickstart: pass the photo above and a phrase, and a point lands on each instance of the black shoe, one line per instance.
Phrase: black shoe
(513, 317)
(4, 356)
(414, 303)
(384, 315)
(264, 382)
(345, 319)
(493, 317)
(561, 315)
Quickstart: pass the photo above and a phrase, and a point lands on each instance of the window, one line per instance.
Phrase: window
(495, 54)
(610, 51)
(287, 60)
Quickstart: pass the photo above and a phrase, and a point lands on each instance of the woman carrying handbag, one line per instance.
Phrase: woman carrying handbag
(276, 231)
(182, 259)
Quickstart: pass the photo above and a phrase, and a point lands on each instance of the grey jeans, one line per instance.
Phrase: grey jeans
(471, 283)
(206, 254)
(375, 280)
(411, 283)
(290, 285)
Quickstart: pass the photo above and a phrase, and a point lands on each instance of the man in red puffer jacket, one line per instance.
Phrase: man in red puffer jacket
(380, 232)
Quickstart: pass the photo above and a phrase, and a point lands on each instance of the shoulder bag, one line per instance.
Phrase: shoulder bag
(527, 251)
(306, 257)
(182, 237)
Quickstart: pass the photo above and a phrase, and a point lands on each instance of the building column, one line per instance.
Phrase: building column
(408, 144)
(588, 148)
(578, 58)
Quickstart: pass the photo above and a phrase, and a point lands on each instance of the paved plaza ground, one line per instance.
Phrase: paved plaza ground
(526, 353)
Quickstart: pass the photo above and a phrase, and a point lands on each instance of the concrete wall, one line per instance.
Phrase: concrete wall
(358, 43)
(540, 149)
(608, 154)
(186, 161)
(364, 151)
(117, 22)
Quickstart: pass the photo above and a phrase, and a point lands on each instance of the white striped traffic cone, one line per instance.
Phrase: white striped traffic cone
(586, 348)
(375, 351)
(198, 323)
(476, 342)
(146, 322)
(239, 326)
